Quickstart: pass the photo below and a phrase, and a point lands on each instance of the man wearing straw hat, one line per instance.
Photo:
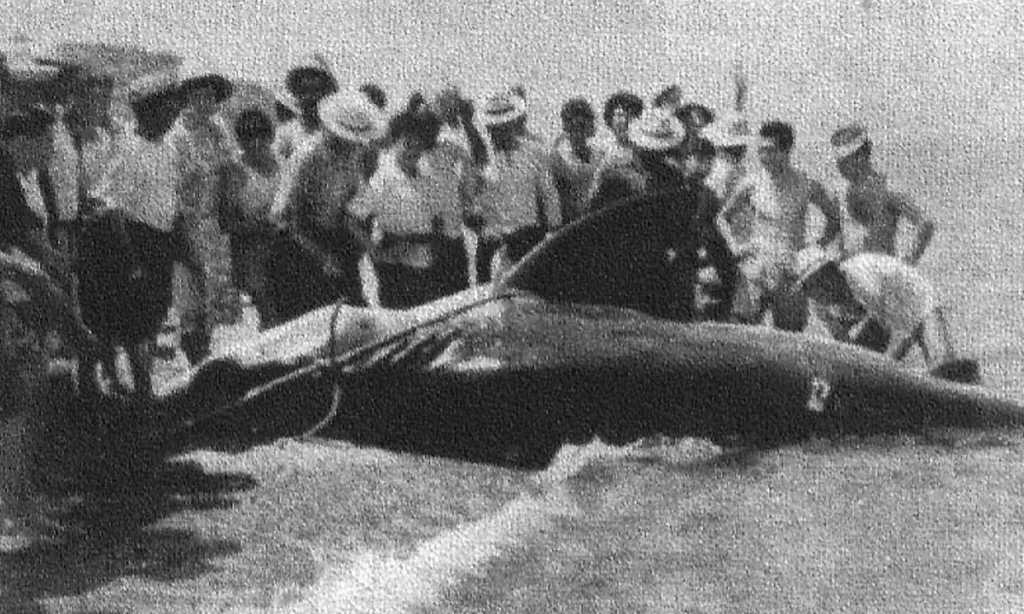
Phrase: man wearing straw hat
(512, 211)
(317, 259)
(871, 203)
(872, 287)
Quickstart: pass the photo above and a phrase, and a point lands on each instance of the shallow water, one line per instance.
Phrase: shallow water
(889, 525)
(894, 525)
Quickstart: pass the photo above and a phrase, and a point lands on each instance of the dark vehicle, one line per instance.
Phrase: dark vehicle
(576, 342)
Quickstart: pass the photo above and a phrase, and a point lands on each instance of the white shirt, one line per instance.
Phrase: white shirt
(890, 290)
(67, 168)
(291, 138)
(397, 200)
(141, 181)
(508, 202)
(577, 174)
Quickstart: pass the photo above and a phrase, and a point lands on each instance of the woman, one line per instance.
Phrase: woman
(413, 202)
(204, 159)
(251, 191)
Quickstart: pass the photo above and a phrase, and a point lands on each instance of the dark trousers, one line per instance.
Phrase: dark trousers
(724, 263)
(517, 244)
(297, 284)
(404, 286)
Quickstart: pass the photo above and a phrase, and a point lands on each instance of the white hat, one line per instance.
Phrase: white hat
(812, 259)
(151, 83)
(730, 130)
(657, 130)
(352, 117)
(848, 139)
(502, 108)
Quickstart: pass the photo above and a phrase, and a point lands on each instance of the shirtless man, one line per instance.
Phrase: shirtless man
(877, 209)
(872, 204)
(780, 195)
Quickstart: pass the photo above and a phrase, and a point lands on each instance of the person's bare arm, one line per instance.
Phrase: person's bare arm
(821, 198)
(293, 176)
(740, 199)
(549, 195)
(923, 224)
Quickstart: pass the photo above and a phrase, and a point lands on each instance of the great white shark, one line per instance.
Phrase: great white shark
(565, 348)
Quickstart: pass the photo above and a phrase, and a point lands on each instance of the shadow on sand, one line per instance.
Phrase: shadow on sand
(110, 491)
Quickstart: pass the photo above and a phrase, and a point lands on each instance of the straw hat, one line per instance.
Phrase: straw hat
(502, 108)
(848, 139)
(657, 130)
(729, 131)
(352, 117)
(219, 85)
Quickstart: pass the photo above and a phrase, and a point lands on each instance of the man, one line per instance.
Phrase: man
(511, 211)
(317, 260)
(206, 155)
(26, 193)
(308, 85)
(574, 160)
(670, 98)
(872, 287)
(412, 203)
(876, 209)
(127, 252)
(872, 204)
(780, 196)
(617, 176)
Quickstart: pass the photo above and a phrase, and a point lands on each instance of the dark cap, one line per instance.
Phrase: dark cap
(310, 81)
(31, 122)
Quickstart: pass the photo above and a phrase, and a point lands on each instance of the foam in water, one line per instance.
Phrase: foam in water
(375, 583)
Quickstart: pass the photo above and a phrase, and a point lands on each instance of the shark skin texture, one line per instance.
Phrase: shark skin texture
(577, 341)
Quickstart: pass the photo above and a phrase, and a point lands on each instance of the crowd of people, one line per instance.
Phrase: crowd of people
(159, 198)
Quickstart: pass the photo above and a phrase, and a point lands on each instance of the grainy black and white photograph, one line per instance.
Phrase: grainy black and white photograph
(379, 307)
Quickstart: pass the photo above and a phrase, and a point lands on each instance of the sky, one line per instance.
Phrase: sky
(938, 66)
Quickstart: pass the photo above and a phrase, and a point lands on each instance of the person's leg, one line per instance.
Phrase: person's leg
(872, 336)
(501, 261)
(108, 366)
(370, 282)
(789, 309)
(485, 253)
(748, 306)
(140, 357)
(455, 266)
(471, 244)
(727, 269)
(389, 285)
